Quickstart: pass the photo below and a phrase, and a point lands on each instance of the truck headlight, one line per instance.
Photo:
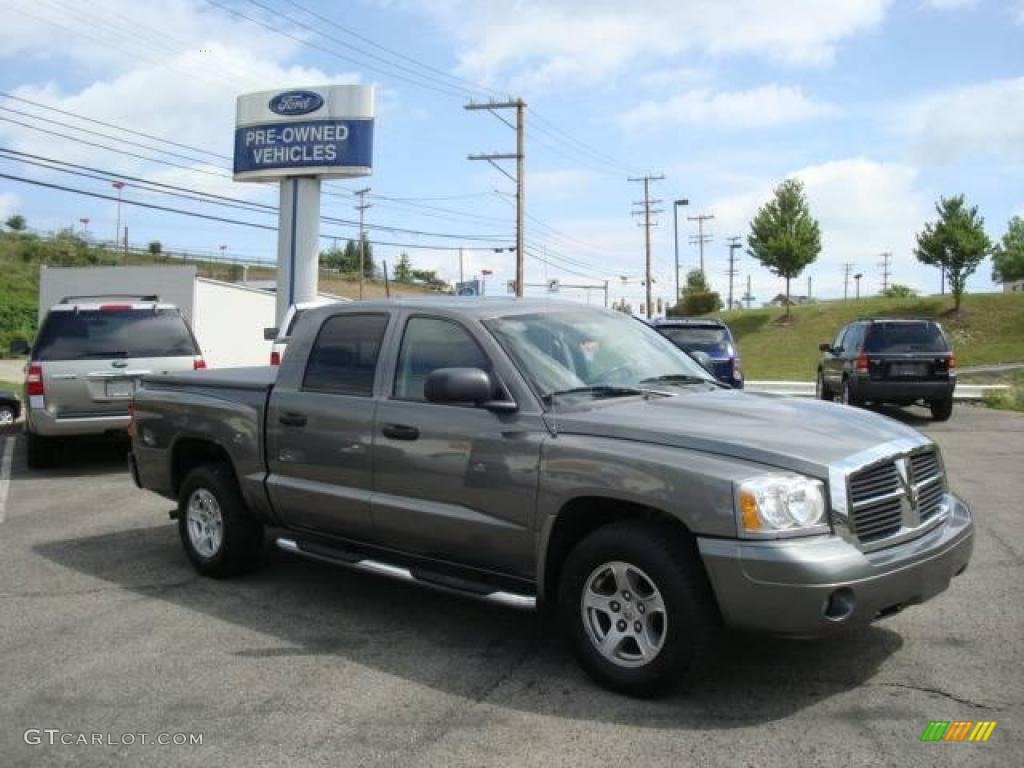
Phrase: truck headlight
(781, 504)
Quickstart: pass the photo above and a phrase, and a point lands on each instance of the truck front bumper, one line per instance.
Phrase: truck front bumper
(816, 586)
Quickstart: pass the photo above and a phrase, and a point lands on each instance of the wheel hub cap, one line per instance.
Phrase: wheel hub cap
(624, 614)
(205, 523)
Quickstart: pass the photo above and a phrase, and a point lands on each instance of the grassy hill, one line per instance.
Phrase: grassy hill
(21, 256)
(988, 329)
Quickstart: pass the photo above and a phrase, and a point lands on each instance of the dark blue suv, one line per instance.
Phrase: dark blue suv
(713, 338)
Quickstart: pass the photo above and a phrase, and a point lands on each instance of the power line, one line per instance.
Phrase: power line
(209, 217)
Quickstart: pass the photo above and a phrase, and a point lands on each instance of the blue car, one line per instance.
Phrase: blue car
(713, 338)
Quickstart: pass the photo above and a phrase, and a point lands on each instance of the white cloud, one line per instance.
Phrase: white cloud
(9, 205)
(537, 43)
(187, 96)
(984, 118)
(864, 207)
(762, 107)
(946, 5)
(558, 184)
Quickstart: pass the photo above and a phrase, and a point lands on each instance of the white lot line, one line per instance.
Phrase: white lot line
(5, 474)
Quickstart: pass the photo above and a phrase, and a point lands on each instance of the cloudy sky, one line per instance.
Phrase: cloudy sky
(879, 106)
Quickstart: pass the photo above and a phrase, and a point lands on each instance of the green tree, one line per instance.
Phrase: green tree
(784, 236)
(955, 242)
(403, 269)
(155, 247)
(16, 223)
(1008, 254)
(698, 298)
(899, 291)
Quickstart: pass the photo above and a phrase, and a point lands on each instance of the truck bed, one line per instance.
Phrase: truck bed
(257, 378)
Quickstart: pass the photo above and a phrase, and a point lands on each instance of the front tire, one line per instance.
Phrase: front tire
(637, 607)
(7, 416)
(941, 409)
(40, 452)
(220, 536)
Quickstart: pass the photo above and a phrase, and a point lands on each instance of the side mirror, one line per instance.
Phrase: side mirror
(269, 334)
(464, 385)
(20, 347)
(825, 347)
(704, 360)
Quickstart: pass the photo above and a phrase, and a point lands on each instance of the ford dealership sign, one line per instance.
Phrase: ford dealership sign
(296, 103)
(322, 132)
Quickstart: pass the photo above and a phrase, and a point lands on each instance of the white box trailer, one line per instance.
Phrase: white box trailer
(227, 319)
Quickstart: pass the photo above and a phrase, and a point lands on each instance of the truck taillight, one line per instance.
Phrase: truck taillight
(861, 366)
(951, 363)
(198, 363)
(34, 380)
(275, 358)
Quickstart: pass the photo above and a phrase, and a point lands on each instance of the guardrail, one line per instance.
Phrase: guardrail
(806, 389)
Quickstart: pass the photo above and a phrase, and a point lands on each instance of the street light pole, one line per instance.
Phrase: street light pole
(675, 231)
(857, 278)
(118, 185)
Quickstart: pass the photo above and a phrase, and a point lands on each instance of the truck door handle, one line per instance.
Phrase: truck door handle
(292, 419)
(400, 432)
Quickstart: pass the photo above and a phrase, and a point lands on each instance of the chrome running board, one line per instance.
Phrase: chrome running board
(478, 590)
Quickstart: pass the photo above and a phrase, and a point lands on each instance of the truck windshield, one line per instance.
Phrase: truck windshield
(714, 340)
(92, 333)
(904, 337)
(593, 354)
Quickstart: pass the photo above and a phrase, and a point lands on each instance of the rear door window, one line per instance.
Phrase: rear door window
(98, 334)
(344, 356)
(898, 337)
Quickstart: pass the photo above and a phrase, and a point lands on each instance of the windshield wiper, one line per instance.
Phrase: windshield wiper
(682, 378)
(600, 390)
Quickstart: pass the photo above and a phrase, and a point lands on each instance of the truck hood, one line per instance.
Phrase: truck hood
(796, 434)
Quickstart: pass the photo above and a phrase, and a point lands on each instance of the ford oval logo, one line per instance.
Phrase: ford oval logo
(296, 103)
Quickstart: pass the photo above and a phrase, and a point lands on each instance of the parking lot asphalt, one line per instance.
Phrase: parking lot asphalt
(105, 628)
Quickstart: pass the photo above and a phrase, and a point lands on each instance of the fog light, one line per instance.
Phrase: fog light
(840, 604)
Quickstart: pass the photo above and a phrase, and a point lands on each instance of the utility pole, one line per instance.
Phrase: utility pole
(647, 212)
(118, 185)
(749, 297)
(519, 179)
(675, 234)
(462, 273)
(857, 277)
(734, 245)
(847, 271)
(701, 237)
(808, 287)
(361, 207)
(886, 272)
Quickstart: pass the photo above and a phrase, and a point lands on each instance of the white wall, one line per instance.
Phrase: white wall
(172, 284)
(228, 323)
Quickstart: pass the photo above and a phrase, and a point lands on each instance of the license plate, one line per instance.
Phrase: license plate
(120, 388)
(907, 369)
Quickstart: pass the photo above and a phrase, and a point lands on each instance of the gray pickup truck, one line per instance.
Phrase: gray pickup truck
(536, 453)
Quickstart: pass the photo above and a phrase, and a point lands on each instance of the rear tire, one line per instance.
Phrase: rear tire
(847, 397)
(941, 409)
(821, 390)
(219, 534)
(639, 589)
(41, 452)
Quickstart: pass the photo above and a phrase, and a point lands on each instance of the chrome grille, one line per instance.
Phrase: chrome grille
(896, 495)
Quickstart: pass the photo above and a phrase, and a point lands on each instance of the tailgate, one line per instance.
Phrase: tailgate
(100, 387)
(909, 367)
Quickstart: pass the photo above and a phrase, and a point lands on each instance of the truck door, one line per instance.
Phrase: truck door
(320, 428)
(454, 482)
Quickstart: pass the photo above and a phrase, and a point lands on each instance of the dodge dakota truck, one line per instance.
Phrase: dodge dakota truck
(550, 455)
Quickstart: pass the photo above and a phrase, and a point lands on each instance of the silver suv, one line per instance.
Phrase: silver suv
(87, 360)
